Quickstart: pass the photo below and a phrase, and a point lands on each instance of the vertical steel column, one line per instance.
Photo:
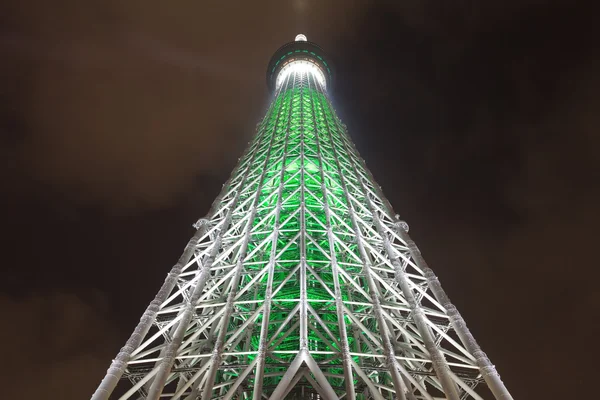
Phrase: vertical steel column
(304, 350)
(262, 347)
(387, 347)
(218, 348)
(171, 349)
(118, 365)
(166, 363)
(488, 370)
(346, 358)
(437, 358)
(303, 288)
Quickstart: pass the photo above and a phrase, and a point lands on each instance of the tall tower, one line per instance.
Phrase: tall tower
(301, 282)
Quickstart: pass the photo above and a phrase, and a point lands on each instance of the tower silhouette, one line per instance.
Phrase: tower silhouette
(301, 281)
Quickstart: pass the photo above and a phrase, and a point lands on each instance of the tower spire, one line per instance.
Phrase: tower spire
(301, 281)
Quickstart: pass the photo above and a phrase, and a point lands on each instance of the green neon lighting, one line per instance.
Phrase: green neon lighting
(304, 131)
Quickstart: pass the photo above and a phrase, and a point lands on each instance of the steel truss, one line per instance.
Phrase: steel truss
(301, 282)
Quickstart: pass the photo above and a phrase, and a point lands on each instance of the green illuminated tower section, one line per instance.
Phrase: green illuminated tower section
(301, 282)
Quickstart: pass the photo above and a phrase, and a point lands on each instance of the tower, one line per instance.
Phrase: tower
(301, 282)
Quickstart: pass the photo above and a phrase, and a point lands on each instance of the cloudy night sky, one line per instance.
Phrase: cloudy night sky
(120, 121)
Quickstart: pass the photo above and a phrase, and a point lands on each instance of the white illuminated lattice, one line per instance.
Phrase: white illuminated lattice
(301, 67)
(301, 281)
(301, 38)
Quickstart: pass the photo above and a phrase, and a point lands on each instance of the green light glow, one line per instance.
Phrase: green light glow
(302, 126)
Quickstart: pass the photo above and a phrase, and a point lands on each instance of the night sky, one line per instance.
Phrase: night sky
(119, 122)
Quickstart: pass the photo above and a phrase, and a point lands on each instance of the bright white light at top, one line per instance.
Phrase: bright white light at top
(301, 38)
(301, 67)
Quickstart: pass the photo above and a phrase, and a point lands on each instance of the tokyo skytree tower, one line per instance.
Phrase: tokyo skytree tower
(301, 282)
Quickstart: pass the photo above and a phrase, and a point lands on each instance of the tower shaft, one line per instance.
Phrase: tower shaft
(301, 282)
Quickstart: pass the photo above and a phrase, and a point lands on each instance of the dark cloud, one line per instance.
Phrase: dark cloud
(56, 344)
(126, 104)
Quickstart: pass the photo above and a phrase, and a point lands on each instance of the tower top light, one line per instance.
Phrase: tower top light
(299, 54)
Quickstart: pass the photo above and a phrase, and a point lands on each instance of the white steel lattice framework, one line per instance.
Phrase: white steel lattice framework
(301, 282)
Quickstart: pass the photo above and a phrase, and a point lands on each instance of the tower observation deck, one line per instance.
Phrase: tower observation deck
(301, 282)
